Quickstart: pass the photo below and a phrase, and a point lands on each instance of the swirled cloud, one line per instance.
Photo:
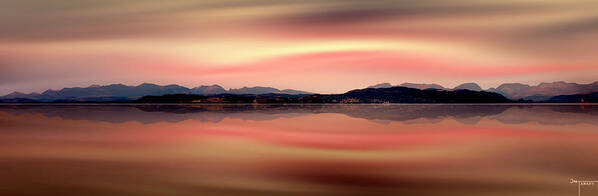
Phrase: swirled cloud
(321, 46)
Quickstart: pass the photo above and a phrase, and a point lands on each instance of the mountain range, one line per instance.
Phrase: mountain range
(544, 92)
(117, 92)
(541, 92)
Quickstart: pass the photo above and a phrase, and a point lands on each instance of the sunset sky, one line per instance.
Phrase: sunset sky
(324, 46)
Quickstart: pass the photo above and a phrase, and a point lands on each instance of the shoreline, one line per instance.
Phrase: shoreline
(296, 104)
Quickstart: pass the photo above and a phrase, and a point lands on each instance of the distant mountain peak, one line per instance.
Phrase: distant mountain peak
(504, 85)
(381, 85)
(145, 84)
(17, 93)
(423, 86)
(469, 86)
(544, 90)
(49, 91)
(208, 90)
(254, 90)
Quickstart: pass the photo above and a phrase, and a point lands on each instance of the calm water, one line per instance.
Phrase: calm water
(298, 150)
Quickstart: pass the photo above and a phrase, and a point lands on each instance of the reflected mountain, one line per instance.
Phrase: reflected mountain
(407, 114)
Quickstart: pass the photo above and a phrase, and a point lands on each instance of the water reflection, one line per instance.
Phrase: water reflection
(297, 149)
(466, 114)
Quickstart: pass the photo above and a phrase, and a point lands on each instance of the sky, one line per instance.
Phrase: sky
(323, 46)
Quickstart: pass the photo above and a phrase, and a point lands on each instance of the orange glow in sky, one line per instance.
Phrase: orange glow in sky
(322, 46)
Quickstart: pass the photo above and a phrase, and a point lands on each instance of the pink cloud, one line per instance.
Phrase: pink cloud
(357, 61)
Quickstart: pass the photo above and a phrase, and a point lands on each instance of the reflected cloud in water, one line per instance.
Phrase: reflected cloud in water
(297, 149)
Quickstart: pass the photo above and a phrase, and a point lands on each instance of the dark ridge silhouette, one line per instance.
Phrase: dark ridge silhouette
(18, 100)
(411, 95)
(577, 98)
(222, 98)
(368, 95)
